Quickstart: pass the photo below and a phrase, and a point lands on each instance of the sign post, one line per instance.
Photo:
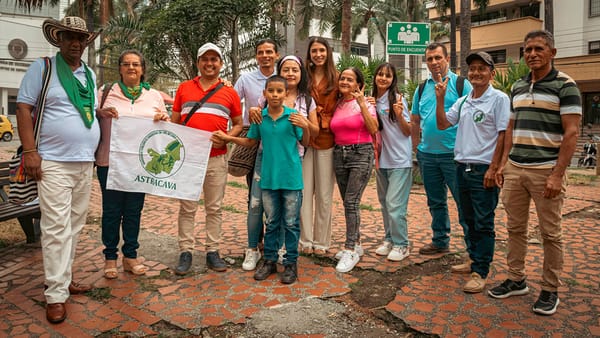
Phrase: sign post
(407, 37)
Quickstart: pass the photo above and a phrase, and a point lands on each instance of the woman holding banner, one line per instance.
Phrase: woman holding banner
(131, 96)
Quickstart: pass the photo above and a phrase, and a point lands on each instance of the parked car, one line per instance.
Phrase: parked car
(6, 129)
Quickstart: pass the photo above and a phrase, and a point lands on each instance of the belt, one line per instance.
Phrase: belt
(353, 146)
(473, 166)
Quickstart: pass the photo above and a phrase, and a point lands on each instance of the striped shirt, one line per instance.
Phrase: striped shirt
(536, 109)
(214, 115)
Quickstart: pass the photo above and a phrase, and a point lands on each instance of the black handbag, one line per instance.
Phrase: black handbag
(22, 188)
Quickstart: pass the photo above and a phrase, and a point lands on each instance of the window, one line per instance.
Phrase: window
(359, 49)
(499, 56)
(533, 9)
(594, 47)
(594, 8)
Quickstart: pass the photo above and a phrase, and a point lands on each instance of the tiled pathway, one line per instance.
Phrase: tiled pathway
(432, 304)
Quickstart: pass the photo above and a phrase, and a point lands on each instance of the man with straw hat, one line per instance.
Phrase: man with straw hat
(61, 159)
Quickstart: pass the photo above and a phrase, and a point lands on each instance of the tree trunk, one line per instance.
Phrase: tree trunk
(89, 19)
(104, 15)
(465, 34)
(549, 16)
(346, 25)
(452, 35)
(235, 52)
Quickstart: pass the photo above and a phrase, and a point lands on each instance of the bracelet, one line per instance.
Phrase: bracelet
(29, 151)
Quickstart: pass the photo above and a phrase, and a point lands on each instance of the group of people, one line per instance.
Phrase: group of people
(315, 126)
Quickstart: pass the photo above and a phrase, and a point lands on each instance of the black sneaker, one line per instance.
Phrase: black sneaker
(185, 262)
(547, 303)
(266, 269)
(214, 262)
(290, 274)
(509, 288)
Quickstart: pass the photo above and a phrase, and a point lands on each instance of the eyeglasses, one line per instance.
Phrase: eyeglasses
(131, 64)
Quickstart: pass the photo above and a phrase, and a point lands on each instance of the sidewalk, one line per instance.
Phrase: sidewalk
(430, 304)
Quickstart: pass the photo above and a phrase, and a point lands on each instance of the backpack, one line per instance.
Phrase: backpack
(460, 86)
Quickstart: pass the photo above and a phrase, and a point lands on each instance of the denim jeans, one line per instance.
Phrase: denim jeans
(478, 206)
(255, 205)
(282, 211)
(353, 166)
(439, 174)
(120, 207)
(393, 189)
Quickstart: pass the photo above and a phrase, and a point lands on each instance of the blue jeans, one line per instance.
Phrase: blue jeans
(282, 210)
(393, 189)
(478, 205)
(255, 205)
(439, 174)
(353, 166)
(120, 207)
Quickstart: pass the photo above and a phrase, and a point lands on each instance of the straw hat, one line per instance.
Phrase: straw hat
(52, 27)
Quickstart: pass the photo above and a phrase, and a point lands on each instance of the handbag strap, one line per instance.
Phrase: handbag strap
(41, 101)
(201, 103)
(105, 91)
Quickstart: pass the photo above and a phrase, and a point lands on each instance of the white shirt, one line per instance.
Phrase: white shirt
(396, 148)
(481, 120)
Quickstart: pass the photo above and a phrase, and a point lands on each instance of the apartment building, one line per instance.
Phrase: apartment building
(500, 31)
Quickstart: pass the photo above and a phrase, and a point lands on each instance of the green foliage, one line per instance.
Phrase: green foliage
(367, 68)
(408, 91)
(504, 80)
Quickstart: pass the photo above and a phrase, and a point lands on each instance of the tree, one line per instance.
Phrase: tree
(504, 80)
(549, 16)
(374, 16)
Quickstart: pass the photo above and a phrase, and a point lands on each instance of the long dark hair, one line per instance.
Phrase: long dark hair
(392, 89)
(302, 87)
(330, 71)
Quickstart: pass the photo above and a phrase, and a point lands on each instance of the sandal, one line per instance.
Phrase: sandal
(135, 266)
(110, 269)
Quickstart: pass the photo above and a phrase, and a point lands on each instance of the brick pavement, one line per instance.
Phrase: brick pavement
(432, 304)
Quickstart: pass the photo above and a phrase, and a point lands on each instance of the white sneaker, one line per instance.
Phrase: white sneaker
(281, 253)
(358, 248)
(348, 261)
(398, 253)
(251, 259)
(384, 249)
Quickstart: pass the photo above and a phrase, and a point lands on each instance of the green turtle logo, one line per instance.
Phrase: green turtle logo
(161, 161)
(479, 116)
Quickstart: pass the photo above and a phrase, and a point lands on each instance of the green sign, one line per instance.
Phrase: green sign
(407, 37)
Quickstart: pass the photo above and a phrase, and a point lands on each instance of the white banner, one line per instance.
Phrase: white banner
(159, 158)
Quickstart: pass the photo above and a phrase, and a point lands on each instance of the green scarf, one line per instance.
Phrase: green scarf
(81, 97)
(133, 93)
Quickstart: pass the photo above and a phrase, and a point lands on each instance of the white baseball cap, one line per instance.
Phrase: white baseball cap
(209, 46)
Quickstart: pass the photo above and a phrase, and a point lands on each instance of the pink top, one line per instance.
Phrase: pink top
(348, 125)
(147, 105)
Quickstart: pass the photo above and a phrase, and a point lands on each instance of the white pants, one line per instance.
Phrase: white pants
(64, 193)
(315, 213)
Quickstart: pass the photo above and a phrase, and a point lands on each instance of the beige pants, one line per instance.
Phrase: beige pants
(520, 186)
(315, 214)
(64, 193)
(213, 191)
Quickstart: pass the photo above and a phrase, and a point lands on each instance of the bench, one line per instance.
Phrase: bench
(28, 215)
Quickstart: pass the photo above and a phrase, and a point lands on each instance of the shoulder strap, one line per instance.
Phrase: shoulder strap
(460, 85)
(41, 101)
(460, 108)
(201, 103)
(421, 88)
(105, 92)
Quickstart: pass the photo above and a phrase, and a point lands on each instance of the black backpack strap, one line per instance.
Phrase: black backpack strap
(201, 103)
(460, 85)
(421, 89)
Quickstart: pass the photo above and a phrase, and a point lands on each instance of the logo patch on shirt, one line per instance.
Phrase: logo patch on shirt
(479, 116)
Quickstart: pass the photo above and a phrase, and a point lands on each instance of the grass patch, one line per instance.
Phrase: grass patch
(99, 294)
(581, 179)
(368, 207)
(232, 209)
(237, 185)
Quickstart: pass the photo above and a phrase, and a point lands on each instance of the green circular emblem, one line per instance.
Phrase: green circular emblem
(161, 153)
(479, 116)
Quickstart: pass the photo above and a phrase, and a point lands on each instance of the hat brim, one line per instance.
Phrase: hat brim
(51, 28)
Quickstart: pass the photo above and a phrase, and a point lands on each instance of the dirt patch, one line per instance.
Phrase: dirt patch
(11, 233)
(592, 212)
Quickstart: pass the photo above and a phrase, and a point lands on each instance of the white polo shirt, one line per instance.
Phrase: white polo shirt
(481, 120)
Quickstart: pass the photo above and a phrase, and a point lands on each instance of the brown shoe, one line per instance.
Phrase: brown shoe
(76, 288)
(431, 249)
(476, 284)
(462, 268)
(56, 313)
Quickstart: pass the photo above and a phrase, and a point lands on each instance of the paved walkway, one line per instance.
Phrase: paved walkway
(431, 304)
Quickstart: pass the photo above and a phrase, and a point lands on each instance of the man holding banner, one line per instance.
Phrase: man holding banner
(204, 103)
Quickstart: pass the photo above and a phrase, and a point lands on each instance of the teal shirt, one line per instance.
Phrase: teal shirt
(281, 164)
(433, 140)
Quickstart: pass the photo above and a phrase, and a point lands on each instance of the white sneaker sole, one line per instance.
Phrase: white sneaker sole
(509, 294)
